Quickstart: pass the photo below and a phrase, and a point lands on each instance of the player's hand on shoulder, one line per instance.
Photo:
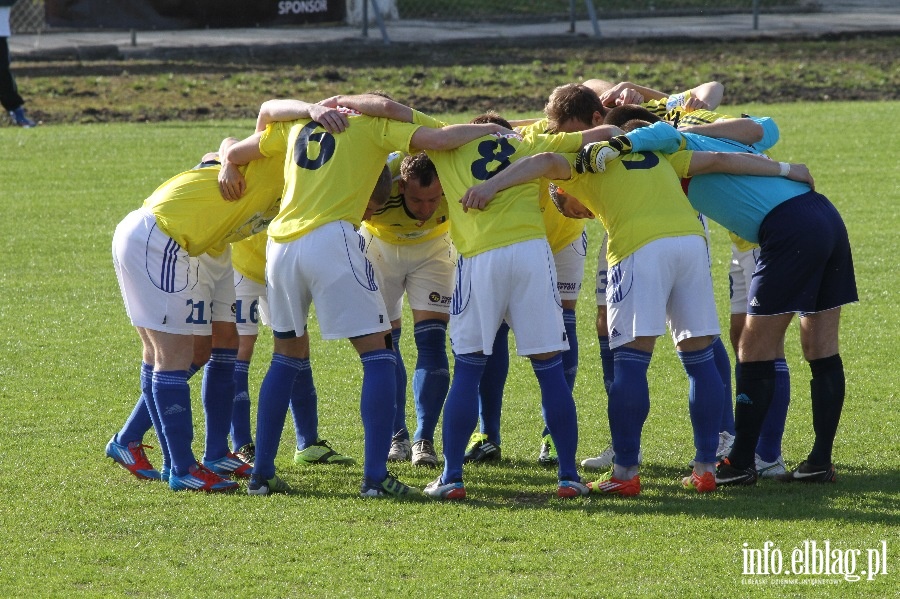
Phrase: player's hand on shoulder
(477, 197)
(693, 103)
(231, 182)
(331, 119)
(800, 172)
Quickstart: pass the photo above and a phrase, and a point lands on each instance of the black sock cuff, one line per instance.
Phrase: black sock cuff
(823, 366)
(758, 370)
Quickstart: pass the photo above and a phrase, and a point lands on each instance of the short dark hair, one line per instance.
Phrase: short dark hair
(620, 115)
(491, 117)
(418, 167)
(634, 124)
(571, 101)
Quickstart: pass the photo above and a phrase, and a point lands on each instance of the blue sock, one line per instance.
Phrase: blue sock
(704, 401)
(570, 357)
(147, 396)
(173, 400)
(305, 405)
(606, 362)
(139, 422)
(271, 411)
(629, 403)
(192, 370)
(558, 408)
(379, 395)
(240, 411)
(217, 392)
(769, 445)
(493, 380)
(399, 428)
(723, 365)
(461, 412)
(431, 380)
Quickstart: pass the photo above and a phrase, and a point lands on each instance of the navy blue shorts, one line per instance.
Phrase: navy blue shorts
(805, 264)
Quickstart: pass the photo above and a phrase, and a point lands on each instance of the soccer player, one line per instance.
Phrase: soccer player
(251, 308)
(808, 270)
(408, 243)
(321, 208)
(659, 274)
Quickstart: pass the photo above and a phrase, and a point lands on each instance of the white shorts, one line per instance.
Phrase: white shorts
(213, 296)
(569, 263)
(156, 276)
(742, 266)
(325, 267)
(423, 270)
(250, 305)
(516, 283)
(602, 269)
(666, 282)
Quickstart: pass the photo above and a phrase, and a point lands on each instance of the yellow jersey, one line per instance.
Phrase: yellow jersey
(248, 257)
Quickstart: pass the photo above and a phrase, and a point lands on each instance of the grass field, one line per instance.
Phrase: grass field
(75, 524)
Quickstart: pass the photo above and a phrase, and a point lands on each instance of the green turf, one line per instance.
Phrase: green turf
(75, 524)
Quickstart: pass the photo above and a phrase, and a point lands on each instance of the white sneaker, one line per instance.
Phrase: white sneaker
(401, 450)
(770, 469)
(605, 460)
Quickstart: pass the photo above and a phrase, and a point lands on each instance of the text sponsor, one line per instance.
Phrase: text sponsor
(813, 559)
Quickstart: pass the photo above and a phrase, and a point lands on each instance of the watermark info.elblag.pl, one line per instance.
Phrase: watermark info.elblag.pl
(812, 563)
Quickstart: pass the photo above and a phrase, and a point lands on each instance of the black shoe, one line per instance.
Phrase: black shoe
(727, 475)
(809, 473)
(481, 450)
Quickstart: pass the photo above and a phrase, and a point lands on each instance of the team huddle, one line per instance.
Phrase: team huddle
(351, 203)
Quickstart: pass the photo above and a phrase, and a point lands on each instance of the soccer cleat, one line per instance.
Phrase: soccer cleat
(548, 455)
(609, 485)
(809, 473)
(401, 450)
(131, 457)
(389, 487)
(423, 454)
(262, 486)
(727, 475)
(480, 449)
(568, 489)
(704, 483)
(229, 465)
(247, 453)
(201, 478)
(594, 157)
(321, 452)
(438, 490)
(770, 469)
(19, 118)
(605, 460)
(726, 440)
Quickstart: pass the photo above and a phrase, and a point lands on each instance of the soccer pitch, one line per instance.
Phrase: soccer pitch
(76, 524)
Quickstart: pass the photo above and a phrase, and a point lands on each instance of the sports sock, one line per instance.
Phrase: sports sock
(558, 409)
(827, 390)
(139, 421)
(217, 392)
(769, 445)
(173, 400)
(379, 394)
(723, 365)
(606, 362)
(570, 356)
(629, 403)
(192, 370)
(153, 411)
(305, 405)
(271, 411)
(240, 411)
(461, 412)
(431, 380)
(493, 381)
(399, 428)
(704, 400)
(755, 388)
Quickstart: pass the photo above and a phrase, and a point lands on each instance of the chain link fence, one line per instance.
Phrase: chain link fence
(28, 16)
